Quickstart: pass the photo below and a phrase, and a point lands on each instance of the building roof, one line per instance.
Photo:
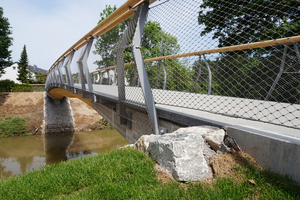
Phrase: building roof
(35, 69)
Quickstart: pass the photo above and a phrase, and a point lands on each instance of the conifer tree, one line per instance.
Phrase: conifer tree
(23, 75)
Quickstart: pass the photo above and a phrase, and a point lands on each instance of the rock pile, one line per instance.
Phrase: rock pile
(186, 152)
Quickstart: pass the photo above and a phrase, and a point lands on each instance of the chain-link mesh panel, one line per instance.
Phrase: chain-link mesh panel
(130, 94)
(254, 80)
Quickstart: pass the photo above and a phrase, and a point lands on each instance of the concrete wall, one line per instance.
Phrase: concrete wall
(280, 154)
(130, 134)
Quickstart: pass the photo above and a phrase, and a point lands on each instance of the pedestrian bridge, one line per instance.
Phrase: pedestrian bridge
(151, 67)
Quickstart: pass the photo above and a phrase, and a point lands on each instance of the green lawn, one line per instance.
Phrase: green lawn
(130, 174)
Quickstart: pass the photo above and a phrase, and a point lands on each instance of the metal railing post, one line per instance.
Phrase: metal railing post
(120, 68)
(198, 75)
(60, 65)
(68, 70)
(100, 77)
(108, 76)
(83, 68)
(141, 68)
(209, 74)
(279, 73)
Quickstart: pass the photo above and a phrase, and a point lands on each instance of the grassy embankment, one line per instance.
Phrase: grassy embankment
(12, 126)
(129, 174)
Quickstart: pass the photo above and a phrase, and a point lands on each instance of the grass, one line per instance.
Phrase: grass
(10, 126)
(130, 174)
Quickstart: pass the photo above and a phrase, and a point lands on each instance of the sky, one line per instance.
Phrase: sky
(49, 27)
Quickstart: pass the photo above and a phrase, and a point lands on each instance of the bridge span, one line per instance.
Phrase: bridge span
(163, 65)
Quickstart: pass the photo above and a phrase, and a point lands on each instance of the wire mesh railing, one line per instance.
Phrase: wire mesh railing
(236, 58)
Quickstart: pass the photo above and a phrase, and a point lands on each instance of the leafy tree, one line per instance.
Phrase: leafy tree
(24, 73)
(5, 42)
(241, 21)
(250, 73)
(155, 42)
(105, 44)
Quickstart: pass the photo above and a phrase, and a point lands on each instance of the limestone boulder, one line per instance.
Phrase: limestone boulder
(214, 136)
(215, 139)
(142, 143)
(182, 155)
(201, 130)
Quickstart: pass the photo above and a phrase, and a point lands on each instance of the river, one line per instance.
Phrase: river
(24, 154)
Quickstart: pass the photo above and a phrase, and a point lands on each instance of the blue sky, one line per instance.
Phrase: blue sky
(49, 27)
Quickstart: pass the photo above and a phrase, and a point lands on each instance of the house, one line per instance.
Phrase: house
(11, 72)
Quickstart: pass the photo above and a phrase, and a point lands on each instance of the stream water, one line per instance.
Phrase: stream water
(24, 154)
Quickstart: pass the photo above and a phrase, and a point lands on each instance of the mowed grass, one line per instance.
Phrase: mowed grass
(130, 174)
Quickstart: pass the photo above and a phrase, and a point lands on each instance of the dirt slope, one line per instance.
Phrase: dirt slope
(31, 105)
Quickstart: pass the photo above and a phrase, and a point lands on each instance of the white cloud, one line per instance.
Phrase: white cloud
(49, 27)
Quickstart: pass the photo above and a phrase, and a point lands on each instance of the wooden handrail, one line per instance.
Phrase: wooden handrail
(254, 45)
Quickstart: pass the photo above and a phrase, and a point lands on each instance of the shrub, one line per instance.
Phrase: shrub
(6, 85)
(22, 88)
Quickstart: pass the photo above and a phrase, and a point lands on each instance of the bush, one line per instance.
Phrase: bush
(12, 126)
(6, 85)
(22, 88)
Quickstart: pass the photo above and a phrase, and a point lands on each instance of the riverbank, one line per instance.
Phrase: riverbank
(30, 106)
(130, 174)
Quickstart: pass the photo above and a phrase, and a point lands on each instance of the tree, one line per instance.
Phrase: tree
(5, 42)
(235, 22)
(105, 44)
(155, 43)
(24, 73)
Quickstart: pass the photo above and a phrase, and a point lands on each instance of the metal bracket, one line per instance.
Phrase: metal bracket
(129, 123)
(162, 130)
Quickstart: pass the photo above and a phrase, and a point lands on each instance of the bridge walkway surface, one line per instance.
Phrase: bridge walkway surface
(180, 103)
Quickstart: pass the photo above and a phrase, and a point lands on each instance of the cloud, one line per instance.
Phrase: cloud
(49, 27)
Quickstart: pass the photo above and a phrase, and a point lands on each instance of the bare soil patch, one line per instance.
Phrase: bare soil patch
(85, 117)
(24, 105)
(30, 105)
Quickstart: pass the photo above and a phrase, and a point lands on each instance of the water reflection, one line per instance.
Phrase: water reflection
(56, 146)
(24, 154)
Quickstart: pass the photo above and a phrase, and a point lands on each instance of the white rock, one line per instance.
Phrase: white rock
(213, 135)
(142, 143)
(182, 155)
(201, 130)
(215, 139)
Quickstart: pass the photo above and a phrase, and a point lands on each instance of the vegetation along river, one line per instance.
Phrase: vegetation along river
(24, 154)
